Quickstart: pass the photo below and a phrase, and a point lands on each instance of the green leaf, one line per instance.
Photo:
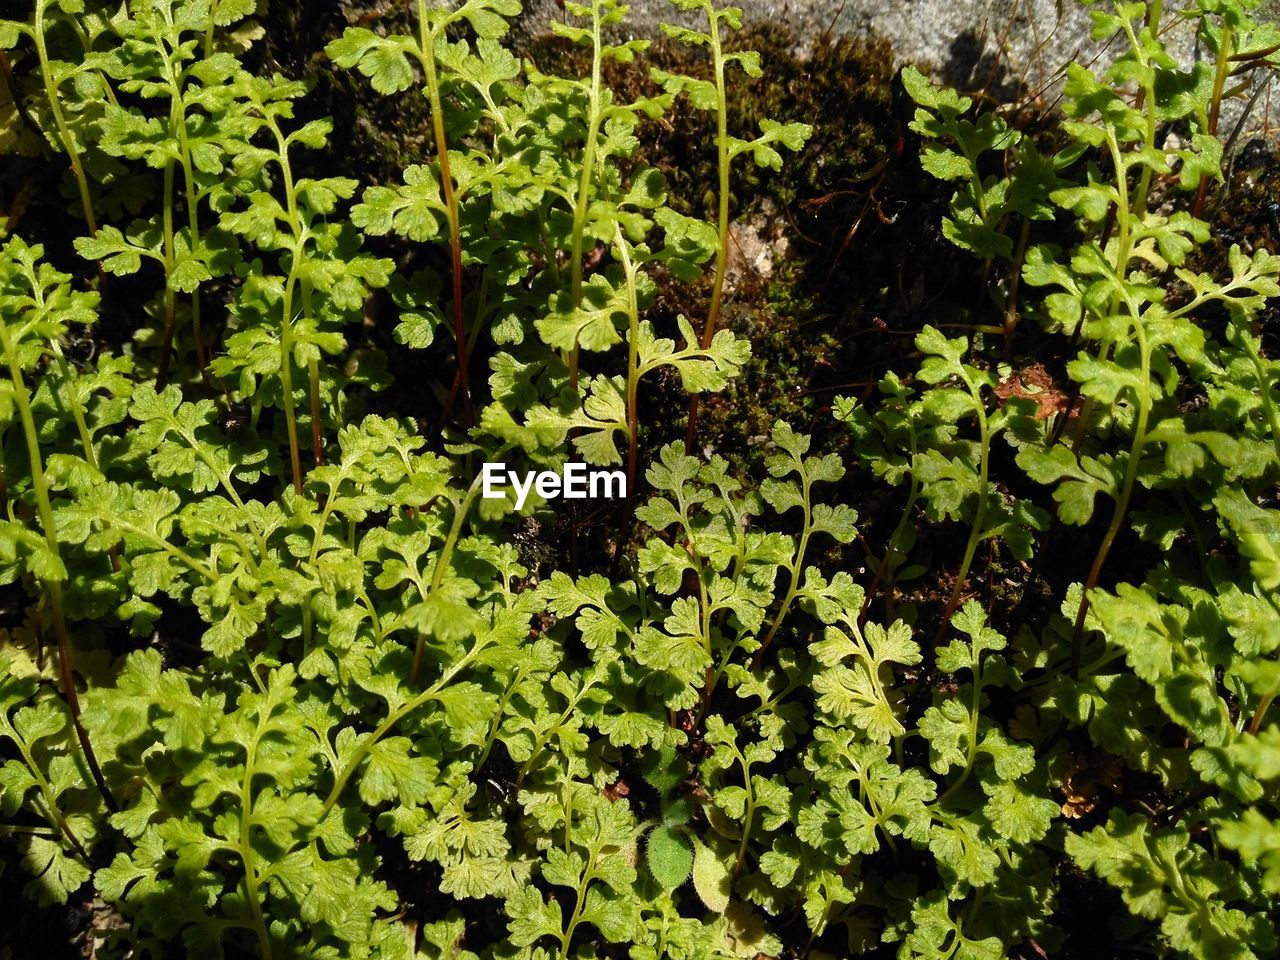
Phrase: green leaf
(711, 878)
(669, 856)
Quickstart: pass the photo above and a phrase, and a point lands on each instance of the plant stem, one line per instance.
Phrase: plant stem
(166, 342)
(357, 757)
(286, 373)
(1255, 724)
(1265, 388)
(588, 875)
(246, 845)
(971, 752)
(53, 588)
(46, 790)
(82, 427)
(980, 516)
(749, 813)
(590, 149)
(317, 438)
(1149, 102)
(1126, 491)
(59, 118)
(427, 43)
(178, 122)
(313, 377)
(442, 564)
(1222, 71)
(299, 253)
(633, 361)
(797, 568)
(722, 251)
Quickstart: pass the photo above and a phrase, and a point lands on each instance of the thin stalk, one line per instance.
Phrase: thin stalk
(590, 149)
(209, 34)
(972, 750)
(1015, 279)
(980, 516)
(247, 854)
(540, 745)
(82, 428)
(286, 372)
(53, 588)
(344, 776)
(588, 875)
(46, 791)
(749, 813)
(633, 361)
(1124, 250)
(1265, 387)
(797, 568)
(286, 319)
(313, 377)
(722, 251)
(427, 42)
(178, 122)
(59, 118)
(1264, 704)
(442, 565)
(473, 338)
(1154, 13)
(884, 578)
(1221, 73)
(1126, 491)
(77, 409)
(10, 89)
(166, 343)
(1124, 216)
(317, 439)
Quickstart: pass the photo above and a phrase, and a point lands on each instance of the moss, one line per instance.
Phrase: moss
(1245, 212)
(379, 135)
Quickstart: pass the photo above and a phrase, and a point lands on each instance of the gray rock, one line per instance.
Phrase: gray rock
(964, 42)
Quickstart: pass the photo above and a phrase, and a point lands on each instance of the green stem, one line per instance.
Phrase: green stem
(797, 567)
(1255, 724)
(442, 565)
(1222, 72)
(722, 251)
(313, 378)
(166, 342)
(428, 57)
(82, 427)
(980, 516)
(1126, 491)
(178, 120)
(1266, 387)
(971, 752)
(587, 177)
(77, 408)
(588, 875)
(46, 791)
(52, 587)
(209, 33)
(59, 118)
(299, 253)
(247, 854)
(633, 361)
(286, 373)
(362, 751)
(540, 745)
(1149, 101)
(748, 817)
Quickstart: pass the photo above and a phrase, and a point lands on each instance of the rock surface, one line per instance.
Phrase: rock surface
(965, 42)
